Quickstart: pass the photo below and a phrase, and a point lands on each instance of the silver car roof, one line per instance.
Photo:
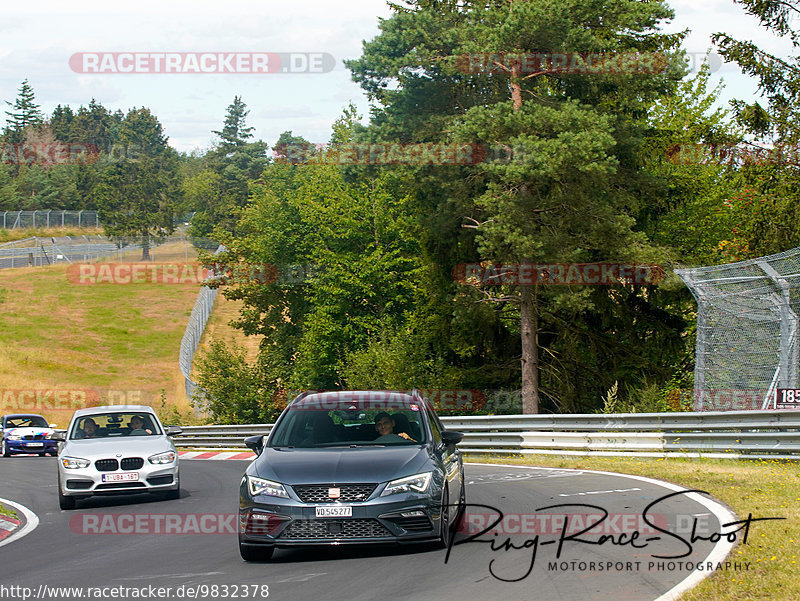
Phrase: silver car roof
(114, 408)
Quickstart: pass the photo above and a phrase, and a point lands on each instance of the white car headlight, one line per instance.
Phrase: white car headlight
(13, 437)
(259, 486)
(162, 458)
(74, 463)
(416, 483)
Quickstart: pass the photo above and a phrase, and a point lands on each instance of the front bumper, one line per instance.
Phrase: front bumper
(280, 522)
(31, 446)
(89, 481)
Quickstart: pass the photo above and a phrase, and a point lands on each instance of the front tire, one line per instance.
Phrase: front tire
(64, 502)
(252, 553)
(171, 495)
(445, 531)
(3, 450)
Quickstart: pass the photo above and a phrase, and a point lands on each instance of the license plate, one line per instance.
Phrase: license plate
(335, 511)
(131, 477)
(34, 444)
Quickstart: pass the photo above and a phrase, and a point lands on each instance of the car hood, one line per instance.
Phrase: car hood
(28, 431)
(340, 465)
(133, 446)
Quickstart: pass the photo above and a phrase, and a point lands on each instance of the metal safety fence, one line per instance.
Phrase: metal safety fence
(194, 333)
(739, 435)
(747, 329)
(37, 251)
(12, 220)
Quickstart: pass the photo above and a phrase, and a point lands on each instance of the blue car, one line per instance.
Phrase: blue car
(26, 434)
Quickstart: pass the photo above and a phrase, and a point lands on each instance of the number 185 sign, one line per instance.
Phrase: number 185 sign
(787, 398)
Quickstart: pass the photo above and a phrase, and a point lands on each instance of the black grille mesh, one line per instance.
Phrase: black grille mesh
(348, 493)
(332, 529)
(132, 463)
(106, 465)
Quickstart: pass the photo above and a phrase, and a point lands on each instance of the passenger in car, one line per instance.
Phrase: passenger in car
(137, 427)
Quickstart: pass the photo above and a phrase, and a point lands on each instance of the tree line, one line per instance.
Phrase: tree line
(596, 172)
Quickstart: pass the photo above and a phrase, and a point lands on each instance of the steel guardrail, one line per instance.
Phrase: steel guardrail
(742, 434)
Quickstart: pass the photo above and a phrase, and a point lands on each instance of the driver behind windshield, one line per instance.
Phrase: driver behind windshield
(385, 424)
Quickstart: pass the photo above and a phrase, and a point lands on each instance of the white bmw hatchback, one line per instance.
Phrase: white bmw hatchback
(117, 450)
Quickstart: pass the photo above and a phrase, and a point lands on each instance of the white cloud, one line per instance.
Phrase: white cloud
(39, 36)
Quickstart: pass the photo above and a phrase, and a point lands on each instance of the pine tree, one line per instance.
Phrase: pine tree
(234, 133)
(25, 112)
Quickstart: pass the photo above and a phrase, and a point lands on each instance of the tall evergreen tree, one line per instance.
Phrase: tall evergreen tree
(567, 194)
(25, 112)
(234, 132)
(778, 78)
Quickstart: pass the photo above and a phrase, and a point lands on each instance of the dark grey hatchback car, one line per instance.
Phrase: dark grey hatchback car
(351, 467)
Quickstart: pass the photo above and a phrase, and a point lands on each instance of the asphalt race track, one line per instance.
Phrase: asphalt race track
(64, 550)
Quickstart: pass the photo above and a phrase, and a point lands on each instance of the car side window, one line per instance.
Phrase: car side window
(436, 431)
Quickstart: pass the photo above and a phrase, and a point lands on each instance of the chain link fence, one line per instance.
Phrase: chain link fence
(38, 251)
(194, 333)
(747, 331)
(12, 220)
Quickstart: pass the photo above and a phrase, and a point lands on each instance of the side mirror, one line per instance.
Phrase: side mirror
(451, 437)
(174, 430)
(54, 426)
(255, 443)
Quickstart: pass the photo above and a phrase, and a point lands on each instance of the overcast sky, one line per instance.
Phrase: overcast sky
(38, 37)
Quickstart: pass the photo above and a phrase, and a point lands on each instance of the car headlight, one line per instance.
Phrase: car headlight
(259, 486)
(416, 483)
(74, 463)
(13, 437)
(162, 458)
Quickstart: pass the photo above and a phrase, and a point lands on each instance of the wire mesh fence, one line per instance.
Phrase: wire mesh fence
(747, 331)
(37, 251)
(12, 220)
(194, 333)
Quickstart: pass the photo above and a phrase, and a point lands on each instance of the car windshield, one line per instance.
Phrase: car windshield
(26, 421)
(113, 425)
(328, 422)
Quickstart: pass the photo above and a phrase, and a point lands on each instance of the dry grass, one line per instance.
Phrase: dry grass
(763, 488)
(47, 232)
(120, 341)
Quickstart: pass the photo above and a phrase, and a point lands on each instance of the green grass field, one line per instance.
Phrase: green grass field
(763, 488)
(119, 340)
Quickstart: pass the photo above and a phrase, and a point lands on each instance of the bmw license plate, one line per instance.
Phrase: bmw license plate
(129, 477)
(334, 511)
(34, 444)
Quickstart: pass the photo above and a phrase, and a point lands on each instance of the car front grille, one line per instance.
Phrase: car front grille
(348, 493)
(132, 463)
(34, 437)
(335, 529)
(106, 465)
